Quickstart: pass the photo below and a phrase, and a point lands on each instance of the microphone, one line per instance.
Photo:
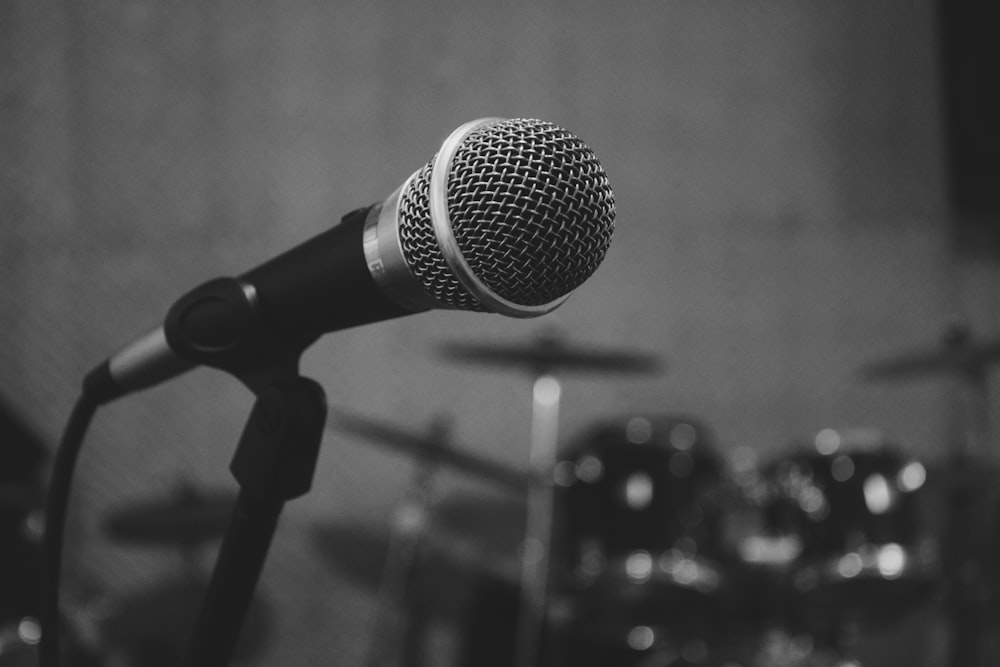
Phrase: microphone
(509, 217)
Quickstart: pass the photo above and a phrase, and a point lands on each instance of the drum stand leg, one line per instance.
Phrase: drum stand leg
(965, 556)
(533, 608)
(399, 592)
(964, 607)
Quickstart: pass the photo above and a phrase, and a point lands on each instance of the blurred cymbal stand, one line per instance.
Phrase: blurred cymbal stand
(965, 363)
(971, 410)
(400, 587)
(541, 358)
(962, 553)
(400, 607)
(536, 550)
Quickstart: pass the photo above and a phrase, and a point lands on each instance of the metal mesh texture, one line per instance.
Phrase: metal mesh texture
(530, 207)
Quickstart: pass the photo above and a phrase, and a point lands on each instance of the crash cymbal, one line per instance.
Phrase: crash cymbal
(958, 355)
(549, 354)
(189, 517)
(429, 447)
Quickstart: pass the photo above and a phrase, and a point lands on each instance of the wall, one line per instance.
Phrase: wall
(779, 176)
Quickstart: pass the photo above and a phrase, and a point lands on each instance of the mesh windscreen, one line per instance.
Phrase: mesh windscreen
(530, 207)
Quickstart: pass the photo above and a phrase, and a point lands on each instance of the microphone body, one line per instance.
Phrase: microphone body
(323, 284)
(509, 217)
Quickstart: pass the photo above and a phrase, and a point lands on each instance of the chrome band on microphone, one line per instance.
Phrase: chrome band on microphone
(384, 254)
(441, 221)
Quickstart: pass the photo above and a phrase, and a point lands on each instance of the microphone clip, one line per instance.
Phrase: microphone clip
(219, 324)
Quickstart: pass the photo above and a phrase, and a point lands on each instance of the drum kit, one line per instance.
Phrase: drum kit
(660, 551)
(638, 544)
(146, 627)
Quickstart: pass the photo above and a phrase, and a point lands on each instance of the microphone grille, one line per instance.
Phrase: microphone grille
(531, 210)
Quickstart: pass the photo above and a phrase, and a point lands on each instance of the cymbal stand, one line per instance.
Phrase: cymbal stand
(546, 395)
(397, 594)
(962, 553)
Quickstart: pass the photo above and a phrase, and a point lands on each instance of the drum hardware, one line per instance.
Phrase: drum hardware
(358, 552)
(408, 533)
(401, 611)
(542, 359)
(431, 448)
(958, 354)
(965, 362)
(463, 534)
(467, 546)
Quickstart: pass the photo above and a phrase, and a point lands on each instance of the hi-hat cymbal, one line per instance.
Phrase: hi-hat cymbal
(957, 356)
(550, 354)
(431, 447)
(189, 517)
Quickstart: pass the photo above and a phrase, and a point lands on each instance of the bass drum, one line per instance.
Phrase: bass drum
(851, 503)
(639, 538)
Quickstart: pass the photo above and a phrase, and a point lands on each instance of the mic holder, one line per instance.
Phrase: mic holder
(274, 462)
(275, 458)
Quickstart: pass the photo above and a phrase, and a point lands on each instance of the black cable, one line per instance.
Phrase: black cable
(56, 505)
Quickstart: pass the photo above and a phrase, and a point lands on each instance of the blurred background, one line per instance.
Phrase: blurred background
(807, 243)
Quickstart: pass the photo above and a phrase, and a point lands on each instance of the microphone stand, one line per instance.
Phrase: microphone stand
(219, 324)
(274, 462)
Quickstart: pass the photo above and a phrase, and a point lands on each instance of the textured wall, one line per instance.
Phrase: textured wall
(781, 221)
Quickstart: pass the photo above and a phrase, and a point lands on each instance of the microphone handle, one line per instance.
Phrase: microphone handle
(323, 284)
(271, 311)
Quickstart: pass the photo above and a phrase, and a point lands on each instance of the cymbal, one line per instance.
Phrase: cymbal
(550, 354)
(190, 517)
(956, 356)
(152, 626)
(431, 447)
(464, 535)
